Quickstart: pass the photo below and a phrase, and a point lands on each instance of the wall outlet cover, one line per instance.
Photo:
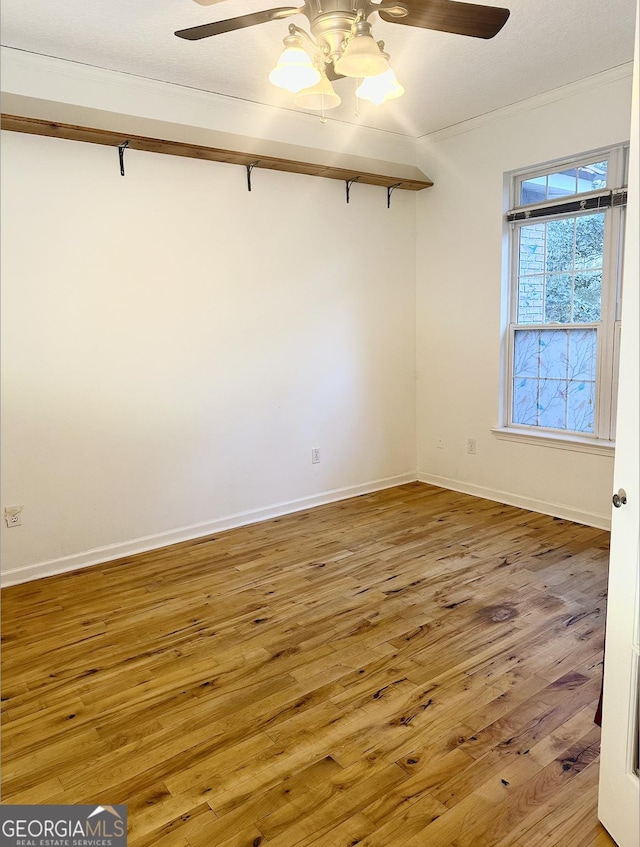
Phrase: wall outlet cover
(13, 516)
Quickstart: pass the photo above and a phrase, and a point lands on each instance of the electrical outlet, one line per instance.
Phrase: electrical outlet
(471, 446)
(13, 515)
(315, 455)
(440, 443)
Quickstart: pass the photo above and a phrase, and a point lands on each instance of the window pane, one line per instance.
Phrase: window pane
(562, 184)
(526, 354)
(525, 401)
(589, 241)
(560, 244)
(554, 353)
(570, 251)
(531, 300)
(592, 177)
(552, 403)
(557, 306)
(533, 190)
(582, 354)
(587, 297)
(566, 183)
(581, 406)
(554, 378)
(532, 241)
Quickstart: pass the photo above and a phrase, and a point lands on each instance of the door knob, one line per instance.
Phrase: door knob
(620, 499)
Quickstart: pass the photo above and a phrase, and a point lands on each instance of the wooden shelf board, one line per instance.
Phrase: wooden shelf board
(72, 132)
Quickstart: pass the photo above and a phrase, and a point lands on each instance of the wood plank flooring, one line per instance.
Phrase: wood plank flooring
(410, 668)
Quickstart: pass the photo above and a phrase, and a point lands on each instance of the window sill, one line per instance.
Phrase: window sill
(557, 440)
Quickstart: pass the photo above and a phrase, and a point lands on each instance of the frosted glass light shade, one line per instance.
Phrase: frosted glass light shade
(362, 57)
(378, 89)
(322, 96)
(294, 70)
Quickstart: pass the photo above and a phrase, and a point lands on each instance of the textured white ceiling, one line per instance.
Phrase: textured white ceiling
(448, 78)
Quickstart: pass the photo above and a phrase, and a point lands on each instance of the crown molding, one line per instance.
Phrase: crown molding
(620, 72)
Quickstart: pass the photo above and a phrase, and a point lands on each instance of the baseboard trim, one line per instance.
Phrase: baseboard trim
(556, 510)
(122, 549)
(99, 555)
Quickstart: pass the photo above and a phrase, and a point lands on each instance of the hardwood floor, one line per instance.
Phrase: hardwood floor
(411, 668)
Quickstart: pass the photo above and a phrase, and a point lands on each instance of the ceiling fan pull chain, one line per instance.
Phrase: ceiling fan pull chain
(249, 169)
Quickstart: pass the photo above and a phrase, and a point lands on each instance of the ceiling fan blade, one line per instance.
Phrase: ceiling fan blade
(451, 16)
(207, 2)
(195, 33)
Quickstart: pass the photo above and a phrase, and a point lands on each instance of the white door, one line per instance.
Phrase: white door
(619, 800)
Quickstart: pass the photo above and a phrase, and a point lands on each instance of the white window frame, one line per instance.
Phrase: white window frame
(602, 440)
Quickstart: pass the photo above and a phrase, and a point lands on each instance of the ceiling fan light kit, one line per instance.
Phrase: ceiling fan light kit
(341, 43)
(362, 58)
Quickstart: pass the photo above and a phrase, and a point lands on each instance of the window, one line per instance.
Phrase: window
(564, 297)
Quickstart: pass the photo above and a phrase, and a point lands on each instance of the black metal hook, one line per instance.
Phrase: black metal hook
(348, 183)
(121, 148)
(249, 169)
(390, 190)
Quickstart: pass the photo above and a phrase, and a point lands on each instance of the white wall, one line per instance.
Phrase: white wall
(459, 289)
(174, 346)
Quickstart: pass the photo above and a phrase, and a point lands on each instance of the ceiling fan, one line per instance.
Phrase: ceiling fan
(341, 44)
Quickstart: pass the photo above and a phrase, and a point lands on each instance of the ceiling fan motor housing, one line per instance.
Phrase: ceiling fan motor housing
(331, 29)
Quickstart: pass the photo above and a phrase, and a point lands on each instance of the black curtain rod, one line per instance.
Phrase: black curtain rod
(601, 201)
